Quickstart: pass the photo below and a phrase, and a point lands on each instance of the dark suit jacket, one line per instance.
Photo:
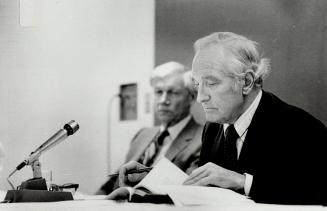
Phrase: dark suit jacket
(184, 152)
(284, 150)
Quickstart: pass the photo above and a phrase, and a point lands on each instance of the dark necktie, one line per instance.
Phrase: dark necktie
(230, 150)
(158, 143)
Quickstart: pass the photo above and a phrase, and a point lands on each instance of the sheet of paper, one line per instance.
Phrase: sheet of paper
(167, 178)
(163, 173)
(81, 196)
(199, 195)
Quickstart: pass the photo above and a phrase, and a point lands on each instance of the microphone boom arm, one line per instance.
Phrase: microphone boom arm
(69, 129)
(58, 137)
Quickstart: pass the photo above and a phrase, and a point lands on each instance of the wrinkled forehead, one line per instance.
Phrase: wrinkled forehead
(211, 60)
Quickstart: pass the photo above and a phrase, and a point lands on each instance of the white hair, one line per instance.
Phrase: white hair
(241, 53)
(173, 68)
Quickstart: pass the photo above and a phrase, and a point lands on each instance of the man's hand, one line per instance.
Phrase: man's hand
(119, 194)
(212, 174)
(126, 179)
(36, 168)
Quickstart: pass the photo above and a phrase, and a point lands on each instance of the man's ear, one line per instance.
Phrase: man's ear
(249, 79)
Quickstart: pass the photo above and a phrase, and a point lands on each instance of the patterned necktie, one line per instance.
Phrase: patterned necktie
(230, 150)
(158, 143)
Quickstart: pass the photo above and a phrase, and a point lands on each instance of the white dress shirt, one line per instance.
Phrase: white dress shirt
(241, 126)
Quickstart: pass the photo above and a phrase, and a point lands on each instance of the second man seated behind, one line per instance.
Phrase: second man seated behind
(178, 137)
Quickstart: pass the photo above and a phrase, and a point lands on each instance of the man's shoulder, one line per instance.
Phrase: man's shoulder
(287, 118)
(288, 113)
(194, 123)
(191, 133)
(194, 127)
(146, 132)
(148, 129)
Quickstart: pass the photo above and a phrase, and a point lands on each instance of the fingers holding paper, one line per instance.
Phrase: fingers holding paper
(212, 174)
(127, 179)
(119, 194)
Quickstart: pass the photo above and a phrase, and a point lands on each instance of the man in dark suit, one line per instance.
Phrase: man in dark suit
(253, 142)
(179, 133)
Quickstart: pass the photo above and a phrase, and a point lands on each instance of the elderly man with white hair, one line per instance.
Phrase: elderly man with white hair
(253, 142)
(178, 137)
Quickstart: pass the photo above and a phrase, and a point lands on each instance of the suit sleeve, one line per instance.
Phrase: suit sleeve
(296, 174)
(194, 162)
(112, 183)
(131, 148)
(195, 148)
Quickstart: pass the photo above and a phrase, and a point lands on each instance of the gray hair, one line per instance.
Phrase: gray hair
(241, 52)
(174, 68)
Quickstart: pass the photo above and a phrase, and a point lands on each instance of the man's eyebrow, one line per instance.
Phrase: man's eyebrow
(169, 89)
(210, 77)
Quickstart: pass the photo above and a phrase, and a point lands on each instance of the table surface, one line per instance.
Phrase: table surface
(93, 202)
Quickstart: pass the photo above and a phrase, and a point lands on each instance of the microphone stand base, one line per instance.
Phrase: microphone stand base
(34, 184)
(37, 196)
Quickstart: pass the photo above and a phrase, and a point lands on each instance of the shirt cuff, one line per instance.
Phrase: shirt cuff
(248, 183)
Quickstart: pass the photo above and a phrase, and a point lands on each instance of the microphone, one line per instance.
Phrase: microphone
(69, 129)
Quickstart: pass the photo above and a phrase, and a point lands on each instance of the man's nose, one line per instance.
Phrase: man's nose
(202, 95)
(164, 99)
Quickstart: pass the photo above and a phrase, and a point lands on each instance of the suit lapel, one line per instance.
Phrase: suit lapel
(256, 132)
(181, 140)
(144, 141)
(217, 146)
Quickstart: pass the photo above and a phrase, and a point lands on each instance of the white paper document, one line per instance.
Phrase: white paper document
(167, 178)
(163, 173)
(200, 195)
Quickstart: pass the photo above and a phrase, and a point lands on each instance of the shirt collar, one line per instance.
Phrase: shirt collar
(177, 128)
(243, 122)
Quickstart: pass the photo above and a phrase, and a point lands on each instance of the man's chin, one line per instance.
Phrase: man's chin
(164, 119)
(210, 118)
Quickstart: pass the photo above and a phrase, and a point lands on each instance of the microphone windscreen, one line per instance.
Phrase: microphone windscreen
(71, 127)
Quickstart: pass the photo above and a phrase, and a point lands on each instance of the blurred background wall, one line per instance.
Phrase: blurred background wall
(68, 63)
(292, 34)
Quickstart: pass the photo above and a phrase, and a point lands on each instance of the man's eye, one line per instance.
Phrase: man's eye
(174, 93)
(158, 92)
(211, 83)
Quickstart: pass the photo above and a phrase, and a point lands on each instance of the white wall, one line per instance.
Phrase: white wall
(68, 66)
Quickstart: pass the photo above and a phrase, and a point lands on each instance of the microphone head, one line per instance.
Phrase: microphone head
(71, 127)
